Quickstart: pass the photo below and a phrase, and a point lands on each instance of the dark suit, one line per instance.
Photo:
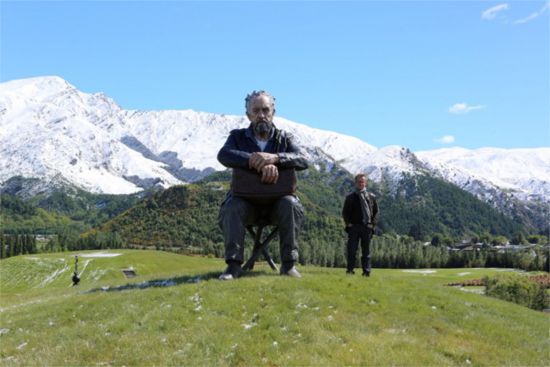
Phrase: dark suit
(361, 228)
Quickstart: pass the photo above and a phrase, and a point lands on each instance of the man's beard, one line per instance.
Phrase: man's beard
(262, 127)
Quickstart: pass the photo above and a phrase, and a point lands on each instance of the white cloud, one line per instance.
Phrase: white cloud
(532, 16)
(491, 13)
(462, 108)
(446, 139)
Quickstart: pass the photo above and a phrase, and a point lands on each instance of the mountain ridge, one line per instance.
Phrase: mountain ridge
(51, 129)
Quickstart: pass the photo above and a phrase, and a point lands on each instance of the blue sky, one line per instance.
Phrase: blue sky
(424, 74)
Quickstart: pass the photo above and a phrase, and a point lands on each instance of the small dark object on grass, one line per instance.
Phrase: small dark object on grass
(75, 278)
(129, 273)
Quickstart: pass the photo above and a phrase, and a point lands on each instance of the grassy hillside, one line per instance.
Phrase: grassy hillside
(60, 210)
(175, 312)
(419, 206)
(423, 205)
(187, 215)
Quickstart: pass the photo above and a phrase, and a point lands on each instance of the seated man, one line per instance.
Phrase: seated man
(266, 149)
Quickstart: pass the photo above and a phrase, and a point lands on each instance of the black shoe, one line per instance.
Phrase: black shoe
(366, 274)
(350, 272)
(233, 271)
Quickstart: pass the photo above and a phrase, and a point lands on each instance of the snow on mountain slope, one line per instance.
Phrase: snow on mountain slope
(525, 172)
(390, 163)
(50, 129)
(196, 137)
(346, 150)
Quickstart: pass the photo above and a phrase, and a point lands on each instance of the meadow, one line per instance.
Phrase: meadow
(176, 312)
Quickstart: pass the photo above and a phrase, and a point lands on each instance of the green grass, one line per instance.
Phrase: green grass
(325, 318)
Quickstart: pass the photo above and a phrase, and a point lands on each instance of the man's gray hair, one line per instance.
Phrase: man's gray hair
(255, 94)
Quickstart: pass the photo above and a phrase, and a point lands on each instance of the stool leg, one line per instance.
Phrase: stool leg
(266, 253)
(270, 260)
(249, 265)
(256, 250)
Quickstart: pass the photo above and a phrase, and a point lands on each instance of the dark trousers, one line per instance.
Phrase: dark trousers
(355, 233)
(236, 213)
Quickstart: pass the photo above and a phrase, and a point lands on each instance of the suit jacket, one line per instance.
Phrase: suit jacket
(352, 212)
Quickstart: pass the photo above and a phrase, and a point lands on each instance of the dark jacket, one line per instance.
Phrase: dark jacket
(241, 144)
(352, 212)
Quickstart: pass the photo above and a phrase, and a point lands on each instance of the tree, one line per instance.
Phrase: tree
(448, 241)
(33, 248)
(499, 241)
(518, 238)
(11, 246)
(537, 239)
(26, 241)
(485, 237)
(437, 239)
(2, 246)
(18, 244)
(416, 231)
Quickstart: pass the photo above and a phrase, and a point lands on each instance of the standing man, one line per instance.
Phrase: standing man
(263, 148)
(360, 216)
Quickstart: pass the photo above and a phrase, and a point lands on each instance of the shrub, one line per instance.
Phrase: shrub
(518, 289)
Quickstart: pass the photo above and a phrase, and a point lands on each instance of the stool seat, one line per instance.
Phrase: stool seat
(260, 247)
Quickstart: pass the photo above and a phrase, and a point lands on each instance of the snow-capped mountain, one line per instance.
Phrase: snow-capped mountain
(524, 172)
(51, 131)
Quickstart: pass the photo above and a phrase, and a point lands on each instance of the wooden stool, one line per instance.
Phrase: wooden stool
(260, 247)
